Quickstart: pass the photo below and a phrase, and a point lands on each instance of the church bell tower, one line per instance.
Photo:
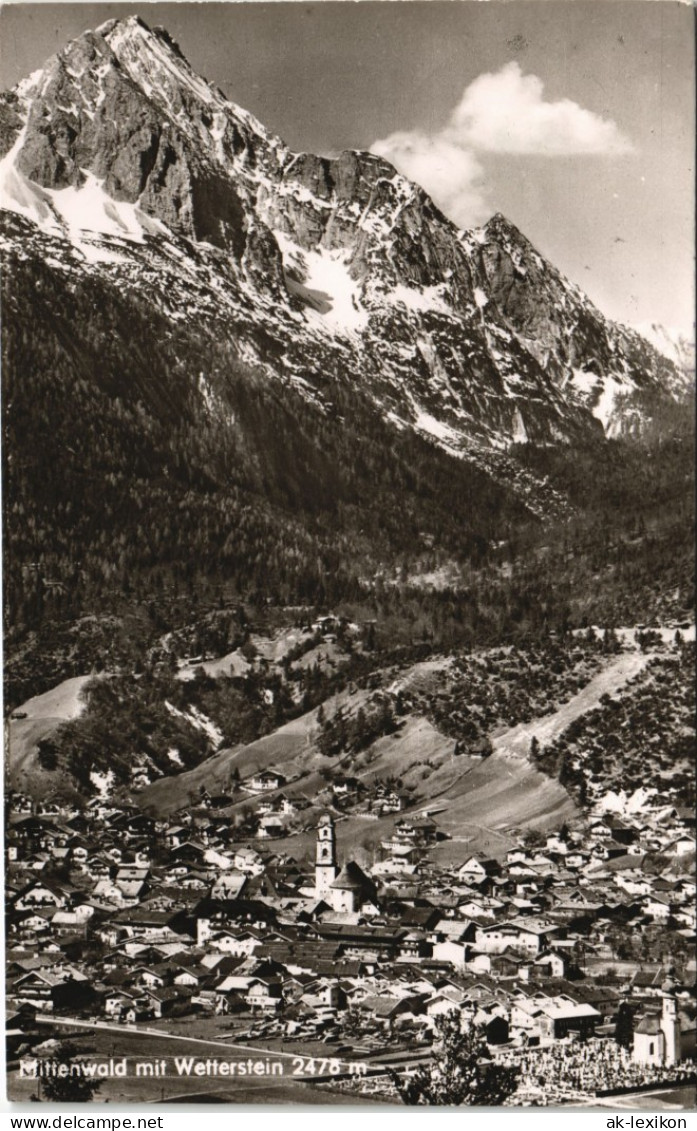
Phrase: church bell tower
(670, 1024)
(326, 870)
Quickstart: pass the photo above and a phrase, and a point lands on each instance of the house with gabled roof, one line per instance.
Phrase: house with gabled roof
(659, 906)
(107, 890)
(169, 1000)
(444, 1000)
(229, 885)
(476, 870)
(264, 993)
(265, 781)
(192, 975)
(117, 1002)
(235, 942)
(39, 893)
(527, 934)
(647, 983)
(555, 1018)
(148, 976)
(53, 990)
(480, 907)
(385, 1008)
(683, 845)
(28, 924)
(248, 861)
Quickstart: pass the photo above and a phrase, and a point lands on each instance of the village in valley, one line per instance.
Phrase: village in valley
(349, 699)
(241, 919)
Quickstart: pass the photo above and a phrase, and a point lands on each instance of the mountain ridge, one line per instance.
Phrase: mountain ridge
(306, 488)
(235, 372)
(469, 338)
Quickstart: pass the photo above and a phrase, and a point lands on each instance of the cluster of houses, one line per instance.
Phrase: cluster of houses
(378, 799)
(270, 812)
(116, 915)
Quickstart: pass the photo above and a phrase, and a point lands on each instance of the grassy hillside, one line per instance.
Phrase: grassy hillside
(465, 737)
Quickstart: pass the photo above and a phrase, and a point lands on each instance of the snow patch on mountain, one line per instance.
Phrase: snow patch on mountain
(29, 85)
(215, 405)
(439, 430)
(621, 803)
(322, 279)
(520, 434)
(605, 409)
(480, 297)
(467, 337)
(73, 211)
(419, 298)
(601, 396)
(583, 381)
(90, 209)
(19, 194)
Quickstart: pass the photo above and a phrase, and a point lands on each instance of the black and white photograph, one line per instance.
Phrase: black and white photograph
(348, 554)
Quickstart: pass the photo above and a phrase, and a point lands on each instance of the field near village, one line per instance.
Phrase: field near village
(213, 1041)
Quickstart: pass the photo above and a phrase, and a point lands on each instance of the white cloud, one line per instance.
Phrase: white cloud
(448, 171)
(503, 112)
(506, 113)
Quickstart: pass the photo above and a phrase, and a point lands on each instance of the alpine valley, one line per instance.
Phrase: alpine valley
(299, 476)
(348, 626)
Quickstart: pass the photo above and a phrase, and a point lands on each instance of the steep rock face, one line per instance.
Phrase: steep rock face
(595, 361)
(320, 269)
(85, 113)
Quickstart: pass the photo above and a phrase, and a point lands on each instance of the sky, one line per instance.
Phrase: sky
(575, 118)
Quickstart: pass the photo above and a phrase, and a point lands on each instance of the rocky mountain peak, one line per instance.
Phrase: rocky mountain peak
(499, 227)
(470, 338)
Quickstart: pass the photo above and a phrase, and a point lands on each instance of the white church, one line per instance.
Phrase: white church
(345, 890)
(657, 1037)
